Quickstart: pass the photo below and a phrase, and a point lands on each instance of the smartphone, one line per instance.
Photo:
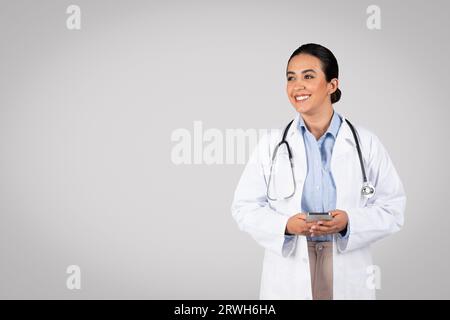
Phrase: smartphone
(316, 216)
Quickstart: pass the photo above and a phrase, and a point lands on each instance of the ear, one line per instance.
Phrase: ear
(333, 85)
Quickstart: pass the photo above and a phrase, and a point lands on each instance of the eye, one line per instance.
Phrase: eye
(290, 78)
(310, 76)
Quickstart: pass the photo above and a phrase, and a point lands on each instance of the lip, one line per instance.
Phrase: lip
(299, 95)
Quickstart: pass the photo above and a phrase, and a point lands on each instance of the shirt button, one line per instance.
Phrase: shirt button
(305, 260)
(317, 187)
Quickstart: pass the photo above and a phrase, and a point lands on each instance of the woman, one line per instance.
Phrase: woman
(325, 259)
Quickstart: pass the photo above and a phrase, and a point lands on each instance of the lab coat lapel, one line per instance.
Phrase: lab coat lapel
(343, 157)
(344, 141)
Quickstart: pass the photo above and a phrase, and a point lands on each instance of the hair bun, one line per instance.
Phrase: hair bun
(335, 96)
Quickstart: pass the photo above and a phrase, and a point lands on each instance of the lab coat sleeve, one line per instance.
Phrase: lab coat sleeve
(344, 233)
(383, 214)
(251, 209)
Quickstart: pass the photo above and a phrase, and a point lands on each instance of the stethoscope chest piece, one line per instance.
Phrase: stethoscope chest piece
(368, 190)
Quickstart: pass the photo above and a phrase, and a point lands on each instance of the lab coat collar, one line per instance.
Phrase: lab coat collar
(332, 129)
(344, 141)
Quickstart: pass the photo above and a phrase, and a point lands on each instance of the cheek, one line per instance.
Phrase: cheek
(289, 90)
(319, 88)
(316, 86)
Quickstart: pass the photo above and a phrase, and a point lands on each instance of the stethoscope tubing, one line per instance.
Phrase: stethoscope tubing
(367, 190)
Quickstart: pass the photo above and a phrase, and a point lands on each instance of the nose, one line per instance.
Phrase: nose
(298, 85)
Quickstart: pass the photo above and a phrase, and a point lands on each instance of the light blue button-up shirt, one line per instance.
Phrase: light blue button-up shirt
(319, 190)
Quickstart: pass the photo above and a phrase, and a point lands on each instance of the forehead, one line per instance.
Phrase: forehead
(304, 61)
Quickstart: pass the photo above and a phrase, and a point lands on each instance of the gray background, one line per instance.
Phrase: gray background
(86, 118)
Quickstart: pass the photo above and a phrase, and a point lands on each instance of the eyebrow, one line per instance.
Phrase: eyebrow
(304, 71)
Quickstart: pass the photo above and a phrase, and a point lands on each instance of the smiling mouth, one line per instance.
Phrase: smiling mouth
(302, 98)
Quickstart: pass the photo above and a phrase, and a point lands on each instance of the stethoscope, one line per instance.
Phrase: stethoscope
(367, 190)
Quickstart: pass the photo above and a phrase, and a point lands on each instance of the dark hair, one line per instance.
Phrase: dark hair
(328, 61)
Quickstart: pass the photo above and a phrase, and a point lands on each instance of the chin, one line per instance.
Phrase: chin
(302, 109)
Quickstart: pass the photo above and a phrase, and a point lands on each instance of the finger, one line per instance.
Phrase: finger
(310, 224)
(325, 222)
(318, 222)
(330, 223)
(322, 229)
(335, 213)
(301, 216)
(338, 213)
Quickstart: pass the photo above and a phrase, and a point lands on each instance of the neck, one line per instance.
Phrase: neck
(319, 122)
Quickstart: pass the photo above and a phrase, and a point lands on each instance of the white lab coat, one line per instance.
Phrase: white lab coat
(286, 273)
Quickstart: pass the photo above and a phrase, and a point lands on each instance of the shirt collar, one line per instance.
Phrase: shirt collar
(333, 127)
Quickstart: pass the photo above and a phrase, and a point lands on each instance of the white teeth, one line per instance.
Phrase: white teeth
(301, 98)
